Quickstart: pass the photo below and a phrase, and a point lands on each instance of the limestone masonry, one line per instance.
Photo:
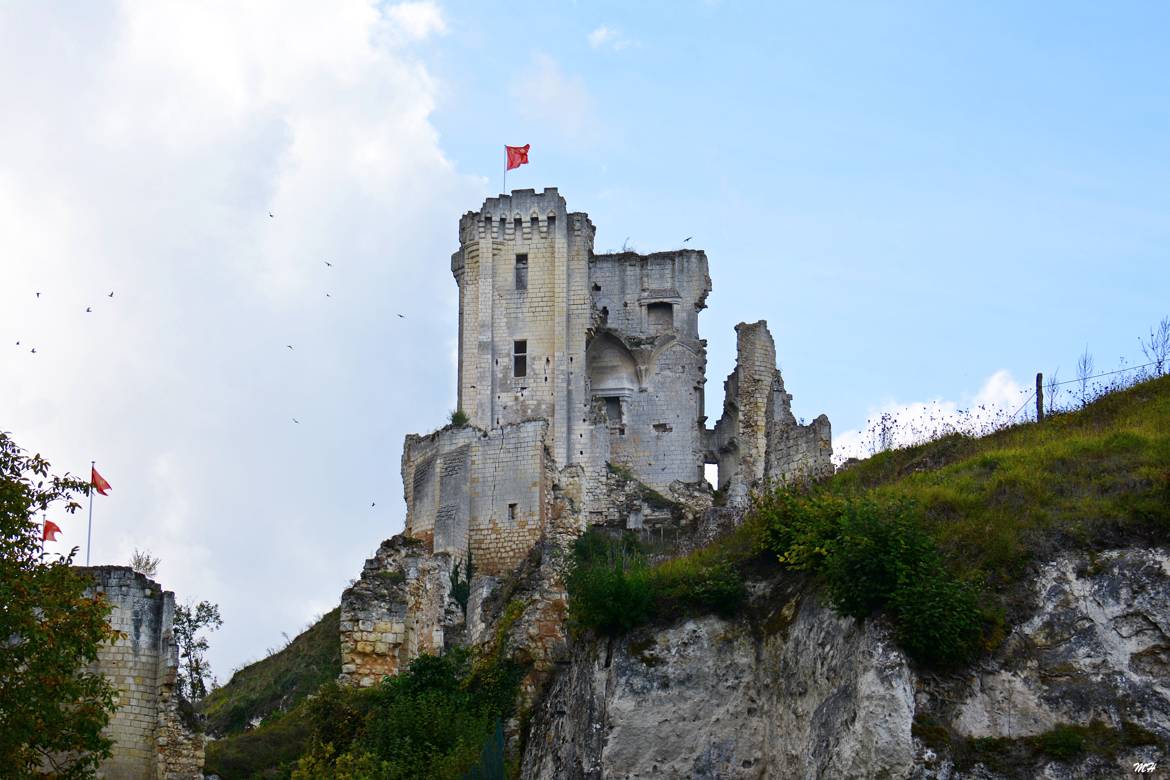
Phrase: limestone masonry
(582, 376)
(150, 738)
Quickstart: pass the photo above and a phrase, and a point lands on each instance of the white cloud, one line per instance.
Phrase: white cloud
(903, 424)
(144, 146)
(418, 20)
(604, 37)
(545, 95)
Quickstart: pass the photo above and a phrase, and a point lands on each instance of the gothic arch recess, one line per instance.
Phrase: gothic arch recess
(611, 368)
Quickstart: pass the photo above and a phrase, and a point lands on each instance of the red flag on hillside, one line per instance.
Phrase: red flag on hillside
(98, 481)
(49, 534)
(517, 155)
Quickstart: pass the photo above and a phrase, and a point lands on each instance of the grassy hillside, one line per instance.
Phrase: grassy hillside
(277, 682)
(1091, 478)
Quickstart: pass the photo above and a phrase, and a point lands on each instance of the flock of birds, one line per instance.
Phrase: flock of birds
(89, 310)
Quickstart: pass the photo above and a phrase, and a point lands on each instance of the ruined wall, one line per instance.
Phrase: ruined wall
(150, 738)
(436, 486)
(549, 312)
(400, 608)
(647, 364)
(795, 452)
(757, 436)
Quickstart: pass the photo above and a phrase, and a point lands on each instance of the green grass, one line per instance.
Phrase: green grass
(1089, 479)
(279, 681)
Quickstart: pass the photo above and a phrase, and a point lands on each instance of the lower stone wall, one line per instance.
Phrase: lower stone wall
(478, 491)
(150, 738)
(800, 453)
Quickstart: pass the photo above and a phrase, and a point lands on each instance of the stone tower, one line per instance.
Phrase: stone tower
(582, 376)
(523, 273)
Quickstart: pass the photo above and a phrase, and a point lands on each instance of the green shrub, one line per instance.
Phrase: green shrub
(1062, 742)
(613, 589)
(459, 418)
(609, 583)
(431, 721)
(875, 556)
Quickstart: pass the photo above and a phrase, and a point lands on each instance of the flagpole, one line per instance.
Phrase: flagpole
(89, 530)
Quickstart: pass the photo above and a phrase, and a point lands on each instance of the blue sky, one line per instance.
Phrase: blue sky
(914, 195)
(926, 201)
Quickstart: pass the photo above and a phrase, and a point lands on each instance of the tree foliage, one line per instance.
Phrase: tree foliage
(144, 563)
(51, 711)
(195, 671)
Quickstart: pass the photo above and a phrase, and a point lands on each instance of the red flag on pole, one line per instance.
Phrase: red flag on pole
(517, 156)
(98, 481)
(49, 534)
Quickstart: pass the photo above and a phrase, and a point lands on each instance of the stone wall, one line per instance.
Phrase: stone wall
(757, 438)
(480, 491)
(151, 740)
(647, 364)
(401, 607)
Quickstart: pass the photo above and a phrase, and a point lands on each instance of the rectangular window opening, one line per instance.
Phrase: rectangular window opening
(613, 410)
(512, 512)
(520, 358)
(521, 272)
(660, 317)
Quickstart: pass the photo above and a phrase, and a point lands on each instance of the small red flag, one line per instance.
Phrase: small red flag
(49, 534)
(98, 481)
(517, 155)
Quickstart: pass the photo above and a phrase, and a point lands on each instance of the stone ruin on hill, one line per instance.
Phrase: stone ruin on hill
(582, 376)
(152, 736)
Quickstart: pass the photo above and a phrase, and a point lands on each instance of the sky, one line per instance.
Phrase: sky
(927, 202)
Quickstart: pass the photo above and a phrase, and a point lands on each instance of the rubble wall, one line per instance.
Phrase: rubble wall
(398, 609)
(758, 438)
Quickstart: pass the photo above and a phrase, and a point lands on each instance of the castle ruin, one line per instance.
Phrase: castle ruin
(582, 376)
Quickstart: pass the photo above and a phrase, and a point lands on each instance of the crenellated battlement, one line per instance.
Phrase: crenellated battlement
(522, 215)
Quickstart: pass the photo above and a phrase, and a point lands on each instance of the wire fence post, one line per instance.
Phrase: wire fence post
(1039, 397)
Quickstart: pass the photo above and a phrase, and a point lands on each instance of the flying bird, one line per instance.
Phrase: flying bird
(688, 238)
(327, 295)
(88, 309)
(271, 215)
(289, 346)
(33, 350)
(402, 316)
(328, 263)
(372, 503)
(111, 295)
(298, 422)
(38, 295)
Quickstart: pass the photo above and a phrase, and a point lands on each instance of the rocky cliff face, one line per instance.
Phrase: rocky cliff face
(792, 690)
